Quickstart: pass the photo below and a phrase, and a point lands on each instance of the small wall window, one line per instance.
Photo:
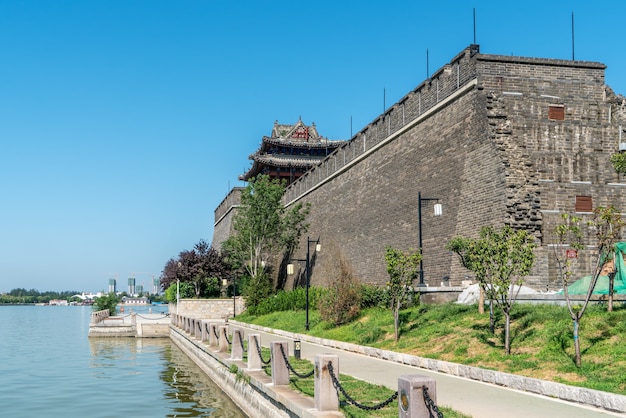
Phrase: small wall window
(556, 112)
(584, 204)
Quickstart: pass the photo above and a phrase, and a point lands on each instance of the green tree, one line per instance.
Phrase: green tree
(462, 247)
(262, 230)
(109, 302)
(186, 291)
(618, 160)
(200, 267)
(501, 259)
(608, 224)
(403, 268)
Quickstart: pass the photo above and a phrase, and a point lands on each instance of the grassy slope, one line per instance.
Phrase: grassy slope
(542, 345)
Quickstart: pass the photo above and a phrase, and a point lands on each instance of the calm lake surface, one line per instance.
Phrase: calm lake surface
(50, 368)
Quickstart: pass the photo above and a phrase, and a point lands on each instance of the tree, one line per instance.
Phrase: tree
(618, 160)
(403, 268)
(501, 259)
(342, 300)
(608, 225)
(263, 229)
(200, 267)
(185, 290)
(109, 302)
(462, 246)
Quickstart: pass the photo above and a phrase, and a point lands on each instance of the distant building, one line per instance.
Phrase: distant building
(58, 302)
(289, 152)
(112, 285)
(135, 301)
(131, 286)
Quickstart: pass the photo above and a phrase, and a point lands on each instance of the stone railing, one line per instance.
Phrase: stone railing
(416, 394)
(99, 316)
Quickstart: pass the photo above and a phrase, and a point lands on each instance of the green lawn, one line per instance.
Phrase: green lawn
(541, 339)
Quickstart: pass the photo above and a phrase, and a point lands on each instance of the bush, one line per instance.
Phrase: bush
(342, 303)
(288, 301)
(109, 302)
(256, 290)
(375, 297)
(186, 291)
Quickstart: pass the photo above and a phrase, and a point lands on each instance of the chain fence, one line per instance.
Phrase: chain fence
(258, 349)
(430, 404)
(215, 333)
(290, 367)
(226, 336)
(351, 400)
(241, 343)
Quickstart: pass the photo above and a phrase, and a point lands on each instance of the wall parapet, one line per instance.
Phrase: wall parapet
(445, 82)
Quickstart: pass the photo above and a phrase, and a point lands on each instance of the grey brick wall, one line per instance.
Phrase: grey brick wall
(477, 136)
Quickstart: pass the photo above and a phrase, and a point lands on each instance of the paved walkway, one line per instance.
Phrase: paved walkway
(480, 400)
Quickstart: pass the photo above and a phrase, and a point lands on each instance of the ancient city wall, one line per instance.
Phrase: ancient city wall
(477, 136)
(224, 217)
(481, 137)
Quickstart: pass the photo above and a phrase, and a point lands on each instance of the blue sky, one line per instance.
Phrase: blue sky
(123, 124)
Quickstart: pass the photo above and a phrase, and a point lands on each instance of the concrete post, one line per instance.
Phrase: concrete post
(236, 351)
(411, 402)
(325, 395)
(198, 329)
(254, 361)
(223, 342)
(280, 372)
(213, 335)
(205, 330)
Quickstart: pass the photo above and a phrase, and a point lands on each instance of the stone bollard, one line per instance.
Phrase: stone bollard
(325, 396)
(213, 335)
(198, 329)
(223, 342)
(236, 350)
(205, 330)
(411, 403)
(254, 360)
(280, 372)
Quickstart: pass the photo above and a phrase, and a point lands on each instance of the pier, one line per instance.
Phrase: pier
(133, 325)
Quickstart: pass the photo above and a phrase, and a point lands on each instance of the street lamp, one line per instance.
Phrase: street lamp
(290, 271)
(438, 211)
(234, 300)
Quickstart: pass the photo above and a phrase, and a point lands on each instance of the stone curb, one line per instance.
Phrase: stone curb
(595, 398)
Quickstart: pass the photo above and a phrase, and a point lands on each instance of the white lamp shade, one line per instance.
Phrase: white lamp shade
(289, 269)
(438, 209)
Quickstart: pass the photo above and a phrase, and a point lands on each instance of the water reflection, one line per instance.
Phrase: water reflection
(133, 363)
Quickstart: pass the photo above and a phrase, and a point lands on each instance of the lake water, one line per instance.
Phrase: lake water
(50, 368)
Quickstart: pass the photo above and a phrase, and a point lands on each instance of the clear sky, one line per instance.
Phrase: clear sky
(124, 123)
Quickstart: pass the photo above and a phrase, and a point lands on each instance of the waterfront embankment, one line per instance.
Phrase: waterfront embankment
(133, 325)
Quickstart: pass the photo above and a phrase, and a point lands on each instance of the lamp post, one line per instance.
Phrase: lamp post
(234, 300)
(438, 212)
(318, 248)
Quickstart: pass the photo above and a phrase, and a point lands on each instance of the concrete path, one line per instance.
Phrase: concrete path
(480, 400)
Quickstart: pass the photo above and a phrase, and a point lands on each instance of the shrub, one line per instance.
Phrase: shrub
(342, 303)
(109, 302)
(288, 301)
(375, 297)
